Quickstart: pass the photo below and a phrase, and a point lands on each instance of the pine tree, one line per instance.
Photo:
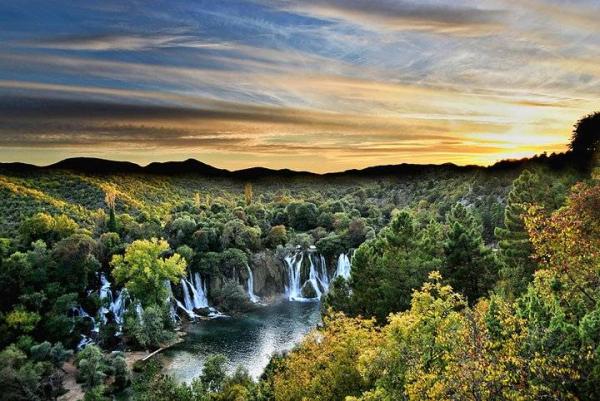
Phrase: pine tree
(515, 246)
(110, 198)
(468, 266)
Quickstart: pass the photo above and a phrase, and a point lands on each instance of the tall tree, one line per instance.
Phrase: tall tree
(110, 198)
(387, 269)
(468, 266)
(515, 247)
(248, 194)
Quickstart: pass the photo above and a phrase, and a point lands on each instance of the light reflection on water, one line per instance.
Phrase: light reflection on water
(247, 341)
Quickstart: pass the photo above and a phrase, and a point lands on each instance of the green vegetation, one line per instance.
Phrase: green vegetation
(467, 284)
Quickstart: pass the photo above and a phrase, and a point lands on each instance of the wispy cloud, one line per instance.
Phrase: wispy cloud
(436, 17)
(104, 42)
(276, 82)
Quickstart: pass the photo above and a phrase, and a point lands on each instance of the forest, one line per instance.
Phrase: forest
(466, 283)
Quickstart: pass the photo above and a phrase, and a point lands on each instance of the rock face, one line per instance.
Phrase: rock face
(269, 274)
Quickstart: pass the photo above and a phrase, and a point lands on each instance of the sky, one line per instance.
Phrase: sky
(309, 85)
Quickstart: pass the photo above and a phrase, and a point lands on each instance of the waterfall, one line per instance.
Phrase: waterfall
(117, 306)
(318, 276)
(187, 300)
(323, 273)
(194, 297)
(313, 278)
(194, 292)
(343, 266)
(199, 291)
(294, 265)
(250, 284)
(170, 300)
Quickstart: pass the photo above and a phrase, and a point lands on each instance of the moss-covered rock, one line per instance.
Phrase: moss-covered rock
(308, 291)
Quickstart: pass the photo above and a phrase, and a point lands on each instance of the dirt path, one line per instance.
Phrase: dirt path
(74, 390)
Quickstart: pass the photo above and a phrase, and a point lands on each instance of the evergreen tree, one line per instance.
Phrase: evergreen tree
(469, 266)
(387, 269)
(515, 246)
(110, 198)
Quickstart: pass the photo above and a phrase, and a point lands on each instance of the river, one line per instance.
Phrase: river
(247, 341)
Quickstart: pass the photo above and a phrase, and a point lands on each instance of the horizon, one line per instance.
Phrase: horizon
(319, 86)
(144, 165)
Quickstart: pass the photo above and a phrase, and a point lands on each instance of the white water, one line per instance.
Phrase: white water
(318, 276)
(194, 292)
(343, 266)
(250, 285)
(116, 305)
(194, 297)
(294, 264)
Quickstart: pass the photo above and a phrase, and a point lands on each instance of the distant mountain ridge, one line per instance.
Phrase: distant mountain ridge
(92, 165)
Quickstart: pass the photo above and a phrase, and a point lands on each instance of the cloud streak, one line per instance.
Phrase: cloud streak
(403, 15)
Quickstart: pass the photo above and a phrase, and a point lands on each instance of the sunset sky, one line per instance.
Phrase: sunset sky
(310, 85)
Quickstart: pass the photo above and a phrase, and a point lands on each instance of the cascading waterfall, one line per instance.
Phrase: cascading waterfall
(117, 306)
(170, 300)
(317, 279)
(323, 273)
(250, 285)
(313, 278)
(199, 291)
(194, 297)
(294, 264)
(343, 266)
(79, 312)
(194, 292)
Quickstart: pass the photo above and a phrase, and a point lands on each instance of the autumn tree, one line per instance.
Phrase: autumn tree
(562, 305)
(325, 365)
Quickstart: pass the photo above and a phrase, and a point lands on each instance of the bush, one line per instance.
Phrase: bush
(232, 298)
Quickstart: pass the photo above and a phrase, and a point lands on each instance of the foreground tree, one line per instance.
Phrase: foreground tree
(334, 353)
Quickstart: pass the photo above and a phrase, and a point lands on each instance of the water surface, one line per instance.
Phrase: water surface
(247, 341)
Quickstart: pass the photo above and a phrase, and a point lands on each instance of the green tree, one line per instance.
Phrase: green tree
(213, 372)
(76, 262)
(302, 216)
(515, 247)
(149, 329)
(92, 366)
(387, 269)
(468, 264)
(144, 268)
